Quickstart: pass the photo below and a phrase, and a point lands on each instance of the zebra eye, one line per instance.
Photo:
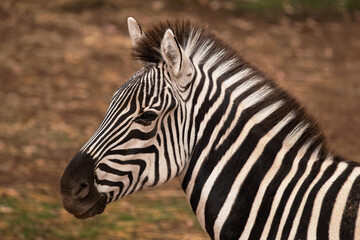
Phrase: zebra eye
(146, 117)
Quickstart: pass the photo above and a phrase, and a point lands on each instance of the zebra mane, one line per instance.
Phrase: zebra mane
(191, 36)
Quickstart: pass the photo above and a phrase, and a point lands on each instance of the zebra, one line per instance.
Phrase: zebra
(252, 163)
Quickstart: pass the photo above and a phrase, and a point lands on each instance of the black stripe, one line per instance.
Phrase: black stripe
(348, 223)
(111, 195)
(288, 190)
(115, 102)
(105, 145)
(306, 214)
(172, 143)
(177, 135)
(179, 48)
(102, 138)
(328, 203)
(191, 111)
(266, 204)
(106, 168)
(190, 86)
(299, 197)
(149, 149)
(217, 116)
(235, 223)
(228, 174)
(120, 185)
(204, 107)
(139, 162)
(216, 155)
(126, 96)
(166, 153)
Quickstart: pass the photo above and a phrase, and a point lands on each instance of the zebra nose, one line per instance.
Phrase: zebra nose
(80, 190)
(78, 178)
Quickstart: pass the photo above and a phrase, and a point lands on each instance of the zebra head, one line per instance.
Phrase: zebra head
(140, 142)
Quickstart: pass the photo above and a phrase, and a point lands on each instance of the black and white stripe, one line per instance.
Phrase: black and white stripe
(252, 163)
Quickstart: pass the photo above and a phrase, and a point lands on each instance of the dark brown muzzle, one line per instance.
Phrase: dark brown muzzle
(79, 194)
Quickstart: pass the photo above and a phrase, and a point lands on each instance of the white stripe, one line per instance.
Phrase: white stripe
(246, 103)
(158, 83)
(171, 149)
(339, 206)
(99, 152)
(220, 70)
(201, 98)
(232, 80)
(314, 220)
(201, 53)
(281, 189)
(225, 210)
(213, 60)
(106, 130)
(311, 161)
(102, 175)
(220, 165)
(300, 210)
(288, 143)
(256, 96)
(112, 108)
(192, 43)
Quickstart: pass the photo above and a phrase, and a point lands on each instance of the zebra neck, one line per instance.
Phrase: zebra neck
(243, 153)
(250, 145)
(224, 190)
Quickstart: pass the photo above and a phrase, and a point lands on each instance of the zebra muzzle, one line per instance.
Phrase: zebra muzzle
(78, 192)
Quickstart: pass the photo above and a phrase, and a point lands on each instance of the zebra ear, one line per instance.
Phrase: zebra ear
(178, 62)
(134, 30)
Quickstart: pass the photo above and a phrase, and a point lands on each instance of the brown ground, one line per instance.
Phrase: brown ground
(59, 67)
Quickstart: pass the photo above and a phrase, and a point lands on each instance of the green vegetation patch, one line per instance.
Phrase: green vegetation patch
(38, 216)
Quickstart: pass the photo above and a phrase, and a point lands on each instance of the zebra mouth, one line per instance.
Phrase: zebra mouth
(97, 208)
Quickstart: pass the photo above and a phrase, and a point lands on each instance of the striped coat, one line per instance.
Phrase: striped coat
(253, 164)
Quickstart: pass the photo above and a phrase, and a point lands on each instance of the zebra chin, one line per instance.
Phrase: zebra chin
(79, 194)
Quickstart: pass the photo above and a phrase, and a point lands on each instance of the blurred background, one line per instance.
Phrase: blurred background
(61, 61)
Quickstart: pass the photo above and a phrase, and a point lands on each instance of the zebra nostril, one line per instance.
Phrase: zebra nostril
(81, 190)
